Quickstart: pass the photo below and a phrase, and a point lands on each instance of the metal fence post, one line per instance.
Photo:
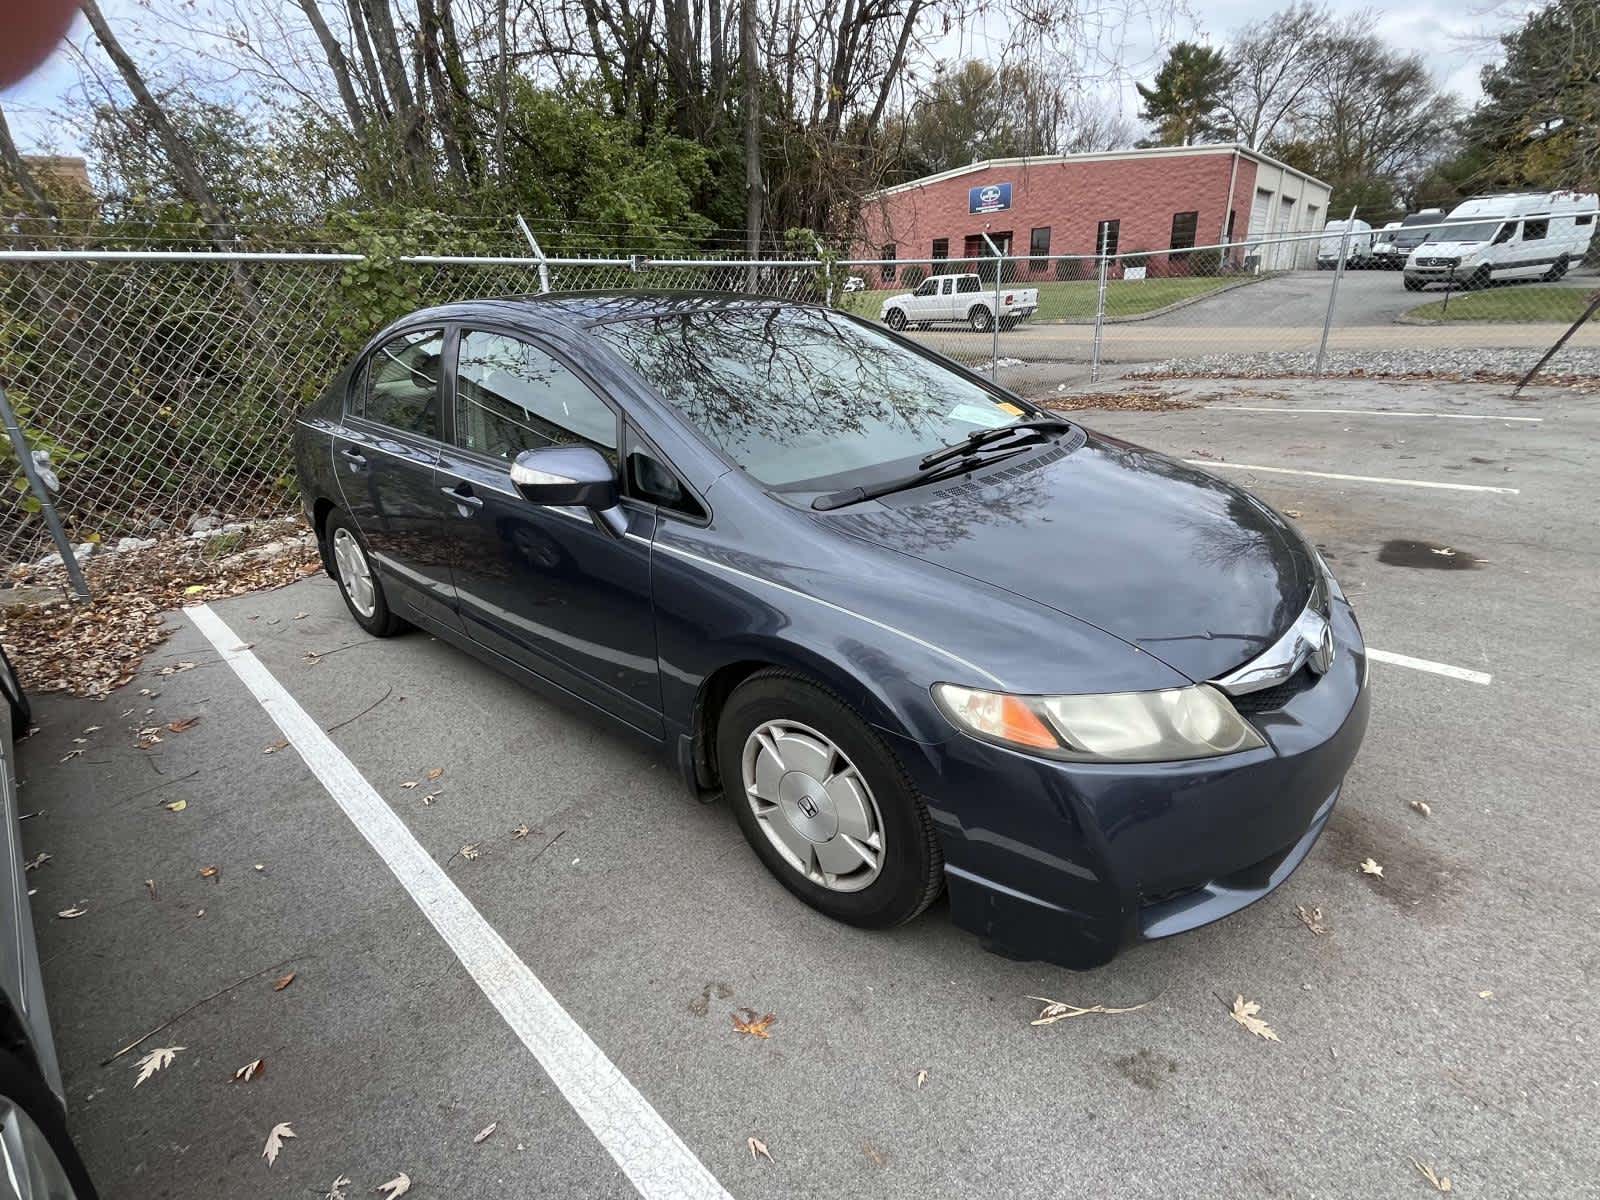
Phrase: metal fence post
(1333, 292)
(1099, 317)
(47, 506)
(533, 244)
(994, 317)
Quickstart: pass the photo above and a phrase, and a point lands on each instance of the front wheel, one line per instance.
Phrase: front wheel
(979, 318)
(1557, 270)
(896, 319)
(358, 581)
(1480, 279)
(825, 804)
(1413, 285)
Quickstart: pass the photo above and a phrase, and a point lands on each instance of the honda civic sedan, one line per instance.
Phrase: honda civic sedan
(918, 633)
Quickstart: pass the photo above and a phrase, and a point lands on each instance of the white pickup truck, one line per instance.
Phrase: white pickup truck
(964, 298)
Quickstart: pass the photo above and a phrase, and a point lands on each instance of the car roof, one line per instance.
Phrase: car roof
(581, 310)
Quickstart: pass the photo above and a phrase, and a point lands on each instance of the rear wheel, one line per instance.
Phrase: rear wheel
(896, 319)
(16, 698)
(38, 1155)
(358, 581)
(1557, 270)
(825, 804)
(979, 318)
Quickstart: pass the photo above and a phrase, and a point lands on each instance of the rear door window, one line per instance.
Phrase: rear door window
(1533, 231)
(401, 383)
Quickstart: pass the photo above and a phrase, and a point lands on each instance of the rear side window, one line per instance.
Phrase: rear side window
(511, 396)
(967, 283)
(1586, 219)
(400, 383)
(1533, 231)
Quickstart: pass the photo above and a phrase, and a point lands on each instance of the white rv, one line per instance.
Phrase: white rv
(1520, 235)
(1358, 249)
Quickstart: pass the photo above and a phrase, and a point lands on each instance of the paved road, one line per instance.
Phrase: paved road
(651, 922)
(1281, 313)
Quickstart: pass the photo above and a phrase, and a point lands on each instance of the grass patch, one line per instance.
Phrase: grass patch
(1509, 304)
(1075, 300)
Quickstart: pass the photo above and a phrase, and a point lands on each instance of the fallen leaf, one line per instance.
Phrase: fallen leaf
(261, 866)
(69, 755)
(1244, 1011)
(301, 616)
(922, 1077)
(312, 657)
(250, 1070)
(1311, 918)
(1369, 867)
(1441, 1183)
(409, 784)
(1291, 512)
(279, 984)
(194, 589)
(280, 1134)
(209, 872)
(336, 1189)
(485, 1132)
(176, 805)
(74, 911)
(155, 1061)
(1444, 552)
(1485, 995)
(1057, 1010)
(175, 668)
(37, 861)
(1421, 806)
(199, 912)
(877, 1157)
(758, 1149)
(183, 724)
(746, 1021)
(92, 729)
(150, 886)
(469, 852)
(396, 1187)
(428, 800)
(280, 744)
(434, 773)
(80, 741)
(521, 831)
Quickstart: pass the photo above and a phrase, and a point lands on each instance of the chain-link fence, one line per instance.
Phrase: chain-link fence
(163, 386)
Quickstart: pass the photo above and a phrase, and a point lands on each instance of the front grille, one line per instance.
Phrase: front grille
(1273, 698)
(1438, 262)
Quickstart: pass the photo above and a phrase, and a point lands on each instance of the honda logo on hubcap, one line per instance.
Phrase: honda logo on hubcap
(809, 807)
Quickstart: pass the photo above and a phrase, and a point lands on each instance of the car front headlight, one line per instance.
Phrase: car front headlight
(1160, 726)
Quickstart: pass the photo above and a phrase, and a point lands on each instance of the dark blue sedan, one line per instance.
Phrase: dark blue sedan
(918, 632)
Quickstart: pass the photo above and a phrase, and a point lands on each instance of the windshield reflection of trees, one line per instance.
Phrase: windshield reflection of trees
(787, 375)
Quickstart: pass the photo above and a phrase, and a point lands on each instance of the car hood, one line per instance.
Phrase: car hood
(1182, 564)
(1444, 249)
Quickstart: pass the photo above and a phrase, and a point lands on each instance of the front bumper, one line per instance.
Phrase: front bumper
(1070, 862)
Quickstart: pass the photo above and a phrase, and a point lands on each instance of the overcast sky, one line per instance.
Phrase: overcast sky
(1455, 37)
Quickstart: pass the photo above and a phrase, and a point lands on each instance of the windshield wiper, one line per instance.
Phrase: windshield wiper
(982, 437)
(926, 474)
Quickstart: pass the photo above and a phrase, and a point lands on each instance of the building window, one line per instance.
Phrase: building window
(1232, 217)
(888, 265)
(1039, 247)
(1107, 238)
(1183, 229)
(941, 247)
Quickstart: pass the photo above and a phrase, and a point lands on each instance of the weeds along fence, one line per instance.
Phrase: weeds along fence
(163, 385)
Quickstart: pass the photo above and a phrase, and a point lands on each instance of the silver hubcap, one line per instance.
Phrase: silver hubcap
(355, 576)
(813, 805)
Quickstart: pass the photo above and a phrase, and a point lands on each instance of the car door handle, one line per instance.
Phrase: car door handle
(464, 498)
(354, 455)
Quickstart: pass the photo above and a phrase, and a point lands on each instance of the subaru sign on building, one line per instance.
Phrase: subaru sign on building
(991, 197)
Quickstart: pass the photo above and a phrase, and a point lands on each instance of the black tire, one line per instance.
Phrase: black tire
(896, 319)
(1480, 279)
(1414, 285)
(16, 698)
(381, 622)
(1557, 270)
(21, 1084)
(979, 318)
(912, 870)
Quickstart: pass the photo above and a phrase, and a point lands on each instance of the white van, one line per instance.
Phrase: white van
(1358, 251)
(1519, 235)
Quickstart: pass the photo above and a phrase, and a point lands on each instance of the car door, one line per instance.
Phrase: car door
(548, 588)
(947, 298)
(922, 306)
(384, 457)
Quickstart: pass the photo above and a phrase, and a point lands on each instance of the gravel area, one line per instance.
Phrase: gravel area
(1579, 367)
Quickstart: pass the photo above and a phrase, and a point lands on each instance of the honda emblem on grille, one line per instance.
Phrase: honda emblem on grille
(1321, 658)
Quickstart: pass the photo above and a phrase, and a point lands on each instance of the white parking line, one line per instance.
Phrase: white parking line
(1213, 463)
(1423, 664)
(651, 1155)
(1372, 412)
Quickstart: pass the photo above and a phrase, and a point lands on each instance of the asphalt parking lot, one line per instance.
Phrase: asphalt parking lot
(1446, 1016)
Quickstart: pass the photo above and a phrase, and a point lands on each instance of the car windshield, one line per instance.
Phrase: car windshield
(1466, 231)
(801, 397)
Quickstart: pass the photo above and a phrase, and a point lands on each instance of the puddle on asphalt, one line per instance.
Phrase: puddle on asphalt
(1430, 556)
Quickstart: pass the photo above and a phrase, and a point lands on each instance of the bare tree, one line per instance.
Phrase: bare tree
(12, 162)
(1276, 63)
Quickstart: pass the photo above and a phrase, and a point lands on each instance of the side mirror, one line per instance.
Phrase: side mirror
(571, 477)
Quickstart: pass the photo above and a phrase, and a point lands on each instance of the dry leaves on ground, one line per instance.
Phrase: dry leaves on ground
(176, 805)
(89, 649)
(74, 911)
(1311, 918)
(1059, 1010)
(282, 982)
(434, 773)
(156, 1060)
(275, 1140)
(1244, 1011)
(250, 1070)
(209, 872)
(1441, 1183)
(336, 1189)
(1134, 400)
(1422, 807)
(1370, 867)
(395, 1188)
(922, 1077)
(520, 832)
(37, 861)
(183, 725)
(280, 744)
(746, 1021)
(758, 1149)
(485, 1132)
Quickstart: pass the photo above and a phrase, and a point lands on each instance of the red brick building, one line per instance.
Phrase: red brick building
(1133, 201)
